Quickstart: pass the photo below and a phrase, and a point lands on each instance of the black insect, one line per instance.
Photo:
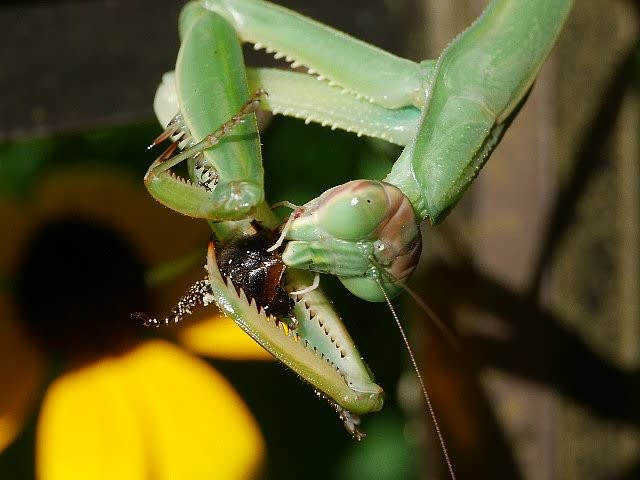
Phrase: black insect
(250, 266)
(255, 270)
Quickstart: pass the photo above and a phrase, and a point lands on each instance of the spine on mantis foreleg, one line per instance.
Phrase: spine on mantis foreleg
(211, 88)
(396, 82)
(480, 81)
(302, 96)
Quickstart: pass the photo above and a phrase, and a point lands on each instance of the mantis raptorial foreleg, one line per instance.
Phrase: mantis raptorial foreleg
(236, 166)
(393, 81)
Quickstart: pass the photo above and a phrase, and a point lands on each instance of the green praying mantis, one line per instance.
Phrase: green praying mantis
(448, 113)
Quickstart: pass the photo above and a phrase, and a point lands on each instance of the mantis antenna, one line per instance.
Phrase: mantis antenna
(432, 413)
(433, 316)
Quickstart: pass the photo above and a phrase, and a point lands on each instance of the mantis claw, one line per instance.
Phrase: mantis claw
(350, 420)
(283, 234)
(310, 288)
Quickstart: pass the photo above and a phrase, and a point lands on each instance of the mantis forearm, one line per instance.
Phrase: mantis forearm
(210, 87)
(332, 54)
(303, 96)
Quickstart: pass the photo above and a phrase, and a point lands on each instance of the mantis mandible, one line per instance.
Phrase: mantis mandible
(448, 113)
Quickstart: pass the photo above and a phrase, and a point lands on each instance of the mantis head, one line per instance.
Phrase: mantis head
(363, 231)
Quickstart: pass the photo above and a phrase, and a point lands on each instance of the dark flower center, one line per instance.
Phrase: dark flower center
(76, 287)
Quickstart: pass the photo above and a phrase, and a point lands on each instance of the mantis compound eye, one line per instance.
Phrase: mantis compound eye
(353, 211)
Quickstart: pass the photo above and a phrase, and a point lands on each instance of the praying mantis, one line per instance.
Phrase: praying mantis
(448, 114)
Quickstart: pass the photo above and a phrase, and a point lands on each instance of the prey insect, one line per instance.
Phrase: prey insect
(448, 113)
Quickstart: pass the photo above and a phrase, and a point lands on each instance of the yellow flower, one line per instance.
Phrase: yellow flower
(123, 407)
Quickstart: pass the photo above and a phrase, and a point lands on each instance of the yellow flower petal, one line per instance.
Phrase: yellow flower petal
(89, 428)
(21, 373)
(201, 428)
(217, 336)
(155, 412)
